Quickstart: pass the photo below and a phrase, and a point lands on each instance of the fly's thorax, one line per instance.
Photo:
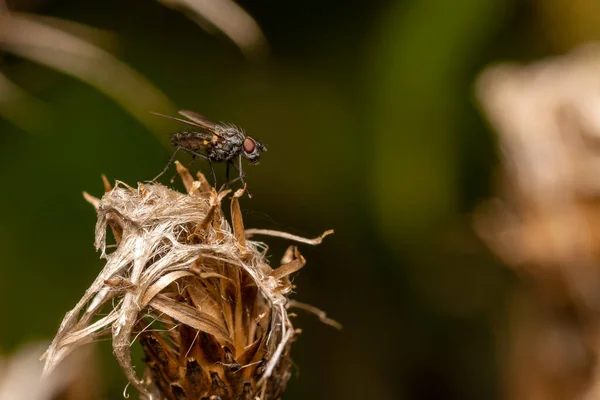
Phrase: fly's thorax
(228, 145)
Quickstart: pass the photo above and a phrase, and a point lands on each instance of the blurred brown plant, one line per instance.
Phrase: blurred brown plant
(229, 18)
(210, 313)
(546, 221)
(76, 378)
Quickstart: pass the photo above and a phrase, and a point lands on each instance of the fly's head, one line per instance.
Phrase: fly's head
(251, 149)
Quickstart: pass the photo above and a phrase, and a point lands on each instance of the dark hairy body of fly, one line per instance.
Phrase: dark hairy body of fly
(224, 147)
(220, 142)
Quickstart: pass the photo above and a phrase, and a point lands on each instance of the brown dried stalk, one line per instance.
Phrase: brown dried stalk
(208, 310)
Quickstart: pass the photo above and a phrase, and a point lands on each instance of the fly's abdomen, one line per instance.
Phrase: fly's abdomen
(189, 140)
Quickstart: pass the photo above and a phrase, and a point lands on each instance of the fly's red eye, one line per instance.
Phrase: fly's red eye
(249, 145)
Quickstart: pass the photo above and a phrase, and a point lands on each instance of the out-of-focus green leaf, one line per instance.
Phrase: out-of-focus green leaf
(18, 107)
(419, 66)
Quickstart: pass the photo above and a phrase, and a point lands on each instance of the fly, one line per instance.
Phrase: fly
(221, 142)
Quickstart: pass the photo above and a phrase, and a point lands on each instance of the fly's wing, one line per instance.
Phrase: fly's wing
(199, 119)
(194, 119)
(179, 119)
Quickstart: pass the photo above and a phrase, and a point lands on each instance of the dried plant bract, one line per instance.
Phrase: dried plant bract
(192, 289)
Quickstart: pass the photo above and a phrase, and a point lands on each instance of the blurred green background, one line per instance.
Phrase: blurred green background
(372, 129)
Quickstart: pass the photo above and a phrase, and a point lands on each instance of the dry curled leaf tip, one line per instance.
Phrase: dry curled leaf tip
(240, 192)
(91, 199)
(107, 186)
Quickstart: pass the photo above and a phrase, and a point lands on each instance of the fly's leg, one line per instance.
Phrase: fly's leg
(213, 173)
(239, 178)
(195, 153)
(188, 167)
(242, 174)
(168, 164)
(192, 162)
(241, 171)
(204, 157)
(227, 181)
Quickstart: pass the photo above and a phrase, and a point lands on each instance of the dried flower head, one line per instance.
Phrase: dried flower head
(208, 310)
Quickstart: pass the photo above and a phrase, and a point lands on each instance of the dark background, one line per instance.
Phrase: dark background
(368, 112)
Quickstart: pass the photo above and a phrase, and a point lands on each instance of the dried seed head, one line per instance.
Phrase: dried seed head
(208, 310)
